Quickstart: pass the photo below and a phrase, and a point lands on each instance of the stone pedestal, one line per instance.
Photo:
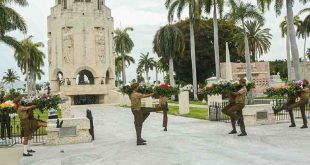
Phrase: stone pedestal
(184, 102)
(66, 110)
(259, 114)
(73, 131)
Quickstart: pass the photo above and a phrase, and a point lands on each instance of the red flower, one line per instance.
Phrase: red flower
(165, 86)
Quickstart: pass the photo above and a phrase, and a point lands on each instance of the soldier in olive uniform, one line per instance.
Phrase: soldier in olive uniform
(235, 110)
(291, 99)
(163, 103)
(304, 100)
(28, 124)
(139, 115)
(231, 103)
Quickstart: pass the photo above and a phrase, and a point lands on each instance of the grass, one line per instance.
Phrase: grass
(196, 113)
(190, 102)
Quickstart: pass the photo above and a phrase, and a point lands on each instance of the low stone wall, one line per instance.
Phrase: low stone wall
(259, 114)
(73, 131)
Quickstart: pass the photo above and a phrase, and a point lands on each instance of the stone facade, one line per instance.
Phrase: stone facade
(80, 49)
(260, 73)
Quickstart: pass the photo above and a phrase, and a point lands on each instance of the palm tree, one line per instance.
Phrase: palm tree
(10, 21)
(292, 33)
(147, 63)
(285, 31)
(123, 58)
(304, 30)
(30, 60)
(10, 77)
(259, 39)
(118, 69)
(194, 14)
(240, 12)
(158, 68)
(123, 45)
(217, 5)
(169, 43)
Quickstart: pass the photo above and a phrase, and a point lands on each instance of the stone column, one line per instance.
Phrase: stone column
(184, 102)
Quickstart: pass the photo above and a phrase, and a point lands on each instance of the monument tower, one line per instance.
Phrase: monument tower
(80, 50)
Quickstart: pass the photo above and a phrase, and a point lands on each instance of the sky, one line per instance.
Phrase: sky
(145, 16)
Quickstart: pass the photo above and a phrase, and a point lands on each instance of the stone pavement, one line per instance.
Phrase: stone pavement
(11, 156)
(187, 142)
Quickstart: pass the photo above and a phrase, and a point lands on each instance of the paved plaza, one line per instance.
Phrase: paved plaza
(187, 142)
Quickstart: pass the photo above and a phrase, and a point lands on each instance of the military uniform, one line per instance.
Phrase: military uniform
(25, 123)
(225, 110)
(164, 106)
(5, 124)
(304, 100)
(139, 115)
(234, 109)
(290, 100)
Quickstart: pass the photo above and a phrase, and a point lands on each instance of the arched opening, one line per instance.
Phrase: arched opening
(107, 77)
(85, 77)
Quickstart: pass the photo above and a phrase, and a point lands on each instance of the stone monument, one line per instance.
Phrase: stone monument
(260, 73)
(80, 51)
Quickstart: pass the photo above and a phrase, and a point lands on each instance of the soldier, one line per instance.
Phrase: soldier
(231, 103)
(139, 115)
(5, 121)
(163, 103)
(27, 124)
(235, 109)
(291, 99)
(304, 100)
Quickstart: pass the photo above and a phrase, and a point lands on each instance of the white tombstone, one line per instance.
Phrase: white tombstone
(184, 102)
(124, 100)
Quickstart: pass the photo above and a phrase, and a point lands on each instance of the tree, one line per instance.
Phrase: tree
(169, 43)
(123, 45)
(158, 68)
(240, 12)
(285, 31)
(292, 33)
(147, 63)
(304, 30)
(121, 62)
(194, 14)
(10, 77)
(205, 54)
(10, 21)
(30, 60)
(259, 39)
(217, 5)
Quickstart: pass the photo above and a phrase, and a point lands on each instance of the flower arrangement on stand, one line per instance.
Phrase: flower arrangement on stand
(224, 87)
(44, 102)
(165, 90)
(7, 107)
(160, 90)
(291, 89)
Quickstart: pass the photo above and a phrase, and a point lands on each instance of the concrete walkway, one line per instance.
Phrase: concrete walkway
(191, 105)
(187, 142)
(11, 156)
